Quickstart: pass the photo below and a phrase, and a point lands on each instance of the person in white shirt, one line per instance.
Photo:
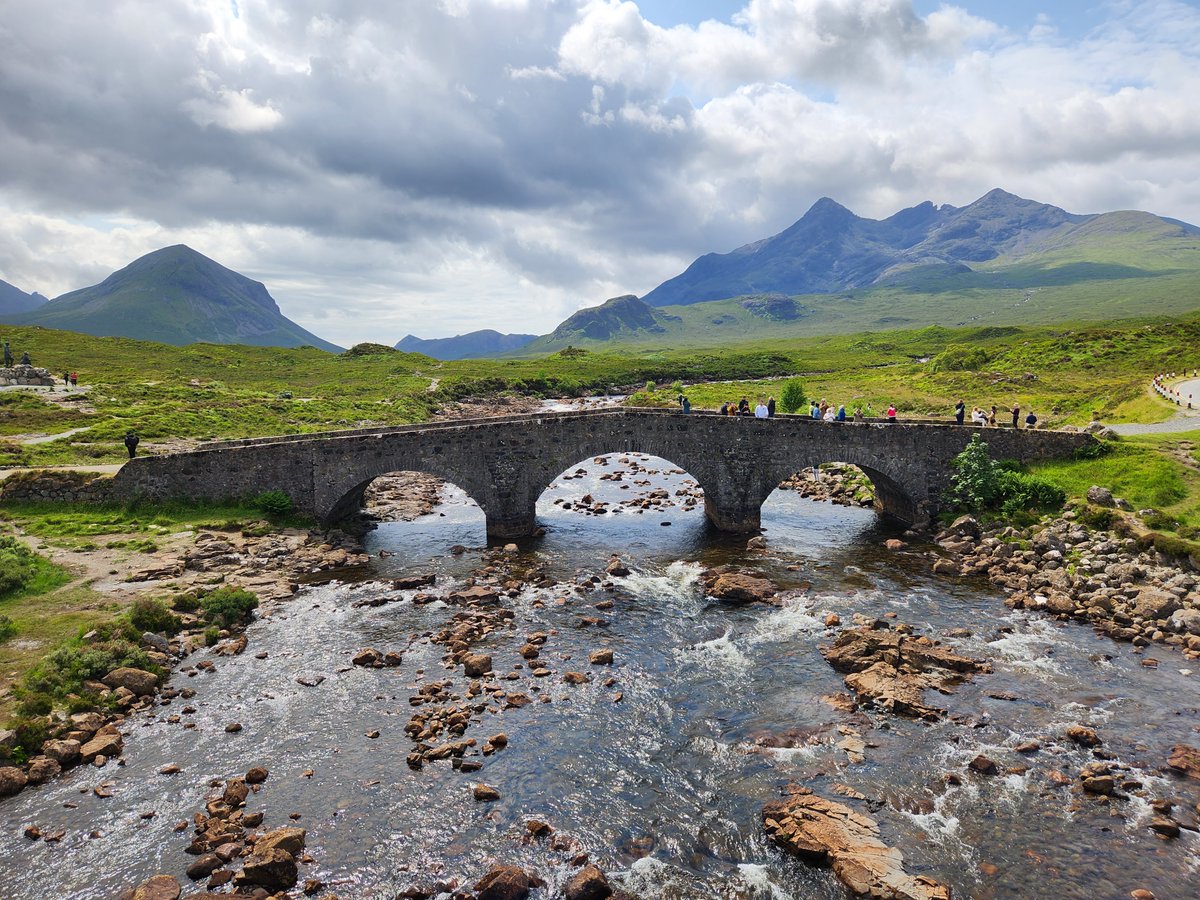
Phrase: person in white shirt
(761, 411)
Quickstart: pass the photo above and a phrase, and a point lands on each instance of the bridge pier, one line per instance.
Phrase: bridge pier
(741, 518)
(510, 525)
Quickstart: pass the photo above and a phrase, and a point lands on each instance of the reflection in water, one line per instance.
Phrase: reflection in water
(665, 783)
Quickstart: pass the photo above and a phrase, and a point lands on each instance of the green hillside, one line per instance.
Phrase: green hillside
(175, 296)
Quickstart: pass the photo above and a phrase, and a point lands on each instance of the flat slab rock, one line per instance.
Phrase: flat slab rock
(893, 670)
(822, 832)
(1185, 760)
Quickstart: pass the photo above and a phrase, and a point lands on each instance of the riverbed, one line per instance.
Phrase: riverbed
(658, 766)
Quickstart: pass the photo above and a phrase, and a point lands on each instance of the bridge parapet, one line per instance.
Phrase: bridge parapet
(505, 463)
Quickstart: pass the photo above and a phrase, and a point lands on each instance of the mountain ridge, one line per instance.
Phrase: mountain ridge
(175, 295)
(13, 300)
(473, 344)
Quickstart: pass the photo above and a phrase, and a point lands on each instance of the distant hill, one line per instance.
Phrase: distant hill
(15, 300)
(175, 296)
(474, 345)
(623, 318)
(831, 249)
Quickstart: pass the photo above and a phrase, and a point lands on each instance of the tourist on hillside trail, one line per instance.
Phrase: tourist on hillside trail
(25, 360)
(891, 413)
(960, 412)
(74, 379)
(67, 380)
(8, 357)
(131, 442)
(1031, 420)
(841, 413)
(1016, 413)
(770, 407)
(992, 417)
(761, 411)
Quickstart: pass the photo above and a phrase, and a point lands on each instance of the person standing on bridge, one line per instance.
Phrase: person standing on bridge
(131, 442)
(960, 412)
(891, 413)
(1016, 414)
(1031, 420)
(761, 411)
(770, 407)
(685, 404)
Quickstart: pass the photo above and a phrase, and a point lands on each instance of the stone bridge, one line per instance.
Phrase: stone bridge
(505, 464)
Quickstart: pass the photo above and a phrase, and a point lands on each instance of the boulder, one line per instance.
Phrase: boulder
(486, 793)
(734, 587)
(12, 781)
(160, 887)
(368, 656)
(477, 664)
(588, 883)
(822, 832)
(102, 744)
(617, 569)
(1083, 736)
(257, 775)
(65, 753)
(204, 866)
(602, 657)
(965, 526)
(273, 869)
(506, 883)
(1152, 603)
(1186, 621)
(137, 681)
(290, 840)
(1185, 760)
(42, 769)
(1099, 496)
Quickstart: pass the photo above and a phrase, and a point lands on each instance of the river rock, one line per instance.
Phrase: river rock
(290, 840)
(204, 866)
(160, 887)
(506, 883)
(1152, 603)
(477, 664)
(65, 752)
(602, 657)
(965, 526)
(617, 569)
(12, 781)
(236, 793)
(984, 765)
(1185, 760)
(478, 594)
(486, 793)
(822, 832)
(735, 587)
(1083, 736)
(101, 745)
(1185, 621)
(368, 656)
(257, 775)
(137, 681)
(42, 769)
(310, 679)
(588, 883)
(273, 869)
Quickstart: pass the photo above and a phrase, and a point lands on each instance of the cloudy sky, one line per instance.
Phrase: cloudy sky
(438, 166)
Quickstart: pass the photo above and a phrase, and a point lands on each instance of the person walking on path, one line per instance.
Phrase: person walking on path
(67, 380)
(960, 412)
(1016, 413)
(761, 411)
(770, 407)
(74, 379)
(131, 442)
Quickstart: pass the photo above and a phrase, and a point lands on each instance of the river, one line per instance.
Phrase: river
(661, 776)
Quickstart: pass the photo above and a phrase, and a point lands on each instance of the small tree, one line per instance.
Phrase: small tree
(976, 482)
(792, 398)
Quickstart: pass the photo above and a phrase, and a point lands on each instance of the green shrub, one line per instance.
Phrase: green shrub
(153, 616)
(959, 358)
(63, 670)
(275, 504)
(1097, 517)
(980, 484)
(228, 606)
(792, 396)
(1093, 450)
(212, 634)
(8, 628)
(185, 603)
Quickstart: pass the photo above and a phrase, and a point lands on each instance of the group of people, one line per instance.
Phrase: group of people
(985, 418)
(8, 357)
(762, 410)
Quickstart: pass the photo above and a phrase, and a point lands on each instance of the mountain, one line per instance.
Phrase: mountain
(624, 318)
(473, 345)
(1001, 261)
(831, 249)
(15, 300)
(175, 296)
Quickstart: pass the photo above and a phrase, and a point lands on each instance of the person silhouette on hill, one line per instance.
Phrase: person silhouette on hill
(131, 442)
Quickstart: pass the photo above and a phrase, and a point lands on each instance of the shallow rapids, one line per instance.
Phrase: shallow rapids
(660, 777)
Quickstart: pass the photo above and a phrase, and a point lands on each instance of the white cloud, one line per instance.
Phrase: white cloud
(441, 167)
